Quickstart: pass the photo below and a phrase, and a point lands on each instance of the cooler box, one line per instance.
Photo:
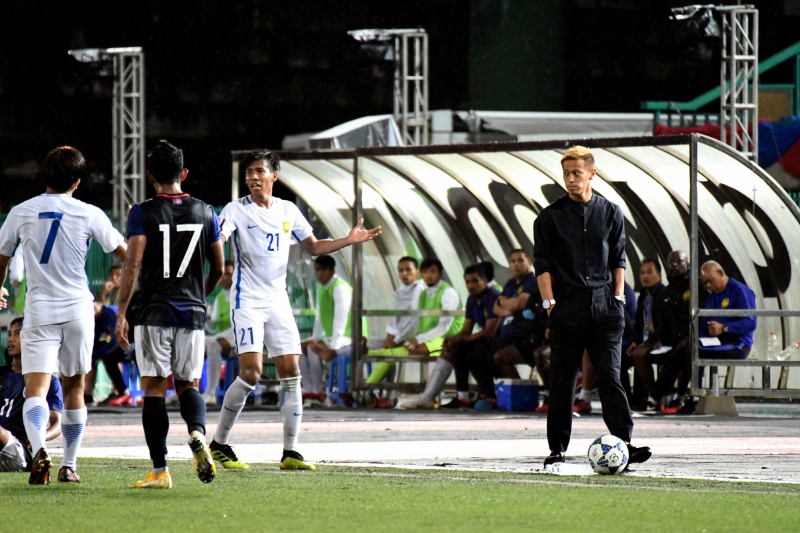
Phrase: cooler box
(517, 394)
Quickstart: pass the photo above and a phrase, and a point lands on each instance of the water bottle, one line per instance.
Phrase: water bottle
(772, 347)
(789, 352)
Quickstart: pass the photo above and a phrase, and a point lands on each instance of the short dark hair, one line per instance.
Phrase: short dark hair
(325, 261)
(477, 269)
(271, 158)
(409, 259)
(165, 162)
(17, 320)
(62, 167)
(654, 261)
(488, 269)
(114, 267)
(429, 262)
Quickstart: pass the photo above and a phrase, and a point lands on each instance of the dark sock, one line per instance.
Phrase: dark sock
(155, 421)
(193, 410)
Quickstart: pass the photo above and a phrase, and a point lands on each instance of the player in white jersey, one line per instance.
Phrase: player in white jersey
(261, 228)
(57, 334)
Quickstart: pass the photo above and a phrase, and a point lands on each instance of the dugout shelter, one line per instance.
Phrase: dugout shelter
(476, 202)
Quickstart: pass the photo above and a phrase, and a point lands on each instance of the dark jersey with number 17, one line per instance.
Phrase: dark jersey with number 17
(179, 230)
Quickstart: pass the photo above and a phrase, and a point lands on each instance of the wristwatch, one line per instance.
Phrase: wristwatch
(725, 328)
(547, 304)
(620, 298)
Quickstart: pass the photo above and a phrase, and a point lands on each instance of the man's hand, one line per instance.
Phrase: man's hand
(357, 234)
(121, 332)
(3, 296)
(449, 343)
(715, 328)
(411, 344)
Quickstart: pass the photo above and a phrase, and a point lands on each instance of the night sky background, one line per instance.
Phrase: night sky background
(224, 76)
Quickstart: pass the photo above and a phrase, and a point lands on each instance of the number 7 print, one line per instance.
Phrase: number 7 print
(51, 237)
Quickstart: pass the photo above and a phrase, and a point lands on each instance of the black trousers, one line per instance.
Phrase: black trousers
(678, 362)
(635, 392)
(475, 358)
(111, 361)
(592, 321)
(675, 362)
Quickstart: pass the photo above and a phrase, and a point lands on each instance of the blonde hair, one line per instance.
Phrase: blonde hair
(579, 152)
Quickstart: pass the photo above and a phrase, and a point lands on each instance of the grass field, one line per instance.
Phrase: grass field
(337, 498)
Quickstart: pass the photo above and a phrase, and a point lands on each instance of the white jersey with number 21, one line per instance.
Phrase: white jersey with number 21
(260, 240)
(56, 231)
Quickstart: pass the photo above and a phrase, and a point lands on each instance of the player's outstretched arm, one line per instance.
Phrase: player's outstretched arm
(130, 273)
(357, 235)
(120, 252)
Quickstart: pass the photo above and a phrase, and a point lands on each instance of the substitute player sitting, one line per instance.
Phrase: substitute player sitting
(332, 328)
(219, 333)
(15, 451)
(262, 228)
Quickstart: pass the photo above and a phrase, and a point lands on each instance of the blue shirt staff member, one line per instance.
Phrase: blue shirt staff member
(735, 333)
(579, 257)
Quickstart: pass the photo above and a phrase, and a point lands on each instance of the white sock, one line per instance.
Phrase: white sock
(72, 425)
(315, 370)
(463, 395)
(213, 367)
(231, 408)
(441, 371)
(585, 395)
(291, 405)
(305, 372)
(35, 414)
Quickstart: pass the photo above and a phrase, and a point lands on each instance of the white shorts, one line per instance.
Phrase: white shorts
(65, 348)
(13, 456)
(273, 327)
(163, 351)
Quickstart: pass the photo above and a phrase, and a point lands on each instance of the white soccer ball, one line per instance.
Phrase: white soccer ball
(608, 455)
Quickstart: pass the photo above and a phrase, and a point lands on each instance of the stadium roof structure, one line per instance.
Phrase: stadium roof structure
(476, 202)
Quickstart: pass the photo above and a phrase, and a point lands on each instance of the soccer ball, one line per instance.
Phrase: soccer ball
(608, 455)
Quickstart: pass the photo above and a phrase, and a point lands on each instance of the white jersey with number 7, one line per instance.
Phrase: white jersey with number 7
(56, 231)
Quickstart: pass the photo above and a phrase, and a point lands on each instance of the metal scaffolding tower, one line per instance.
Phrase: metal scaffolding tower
(127, 131)
(411, 85)
(409, 54)
(739, 79)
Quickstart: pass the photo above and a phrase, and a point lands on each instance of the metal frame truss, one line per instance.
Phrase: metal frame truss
(739, 79)
(411, 84)
(127, 131)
